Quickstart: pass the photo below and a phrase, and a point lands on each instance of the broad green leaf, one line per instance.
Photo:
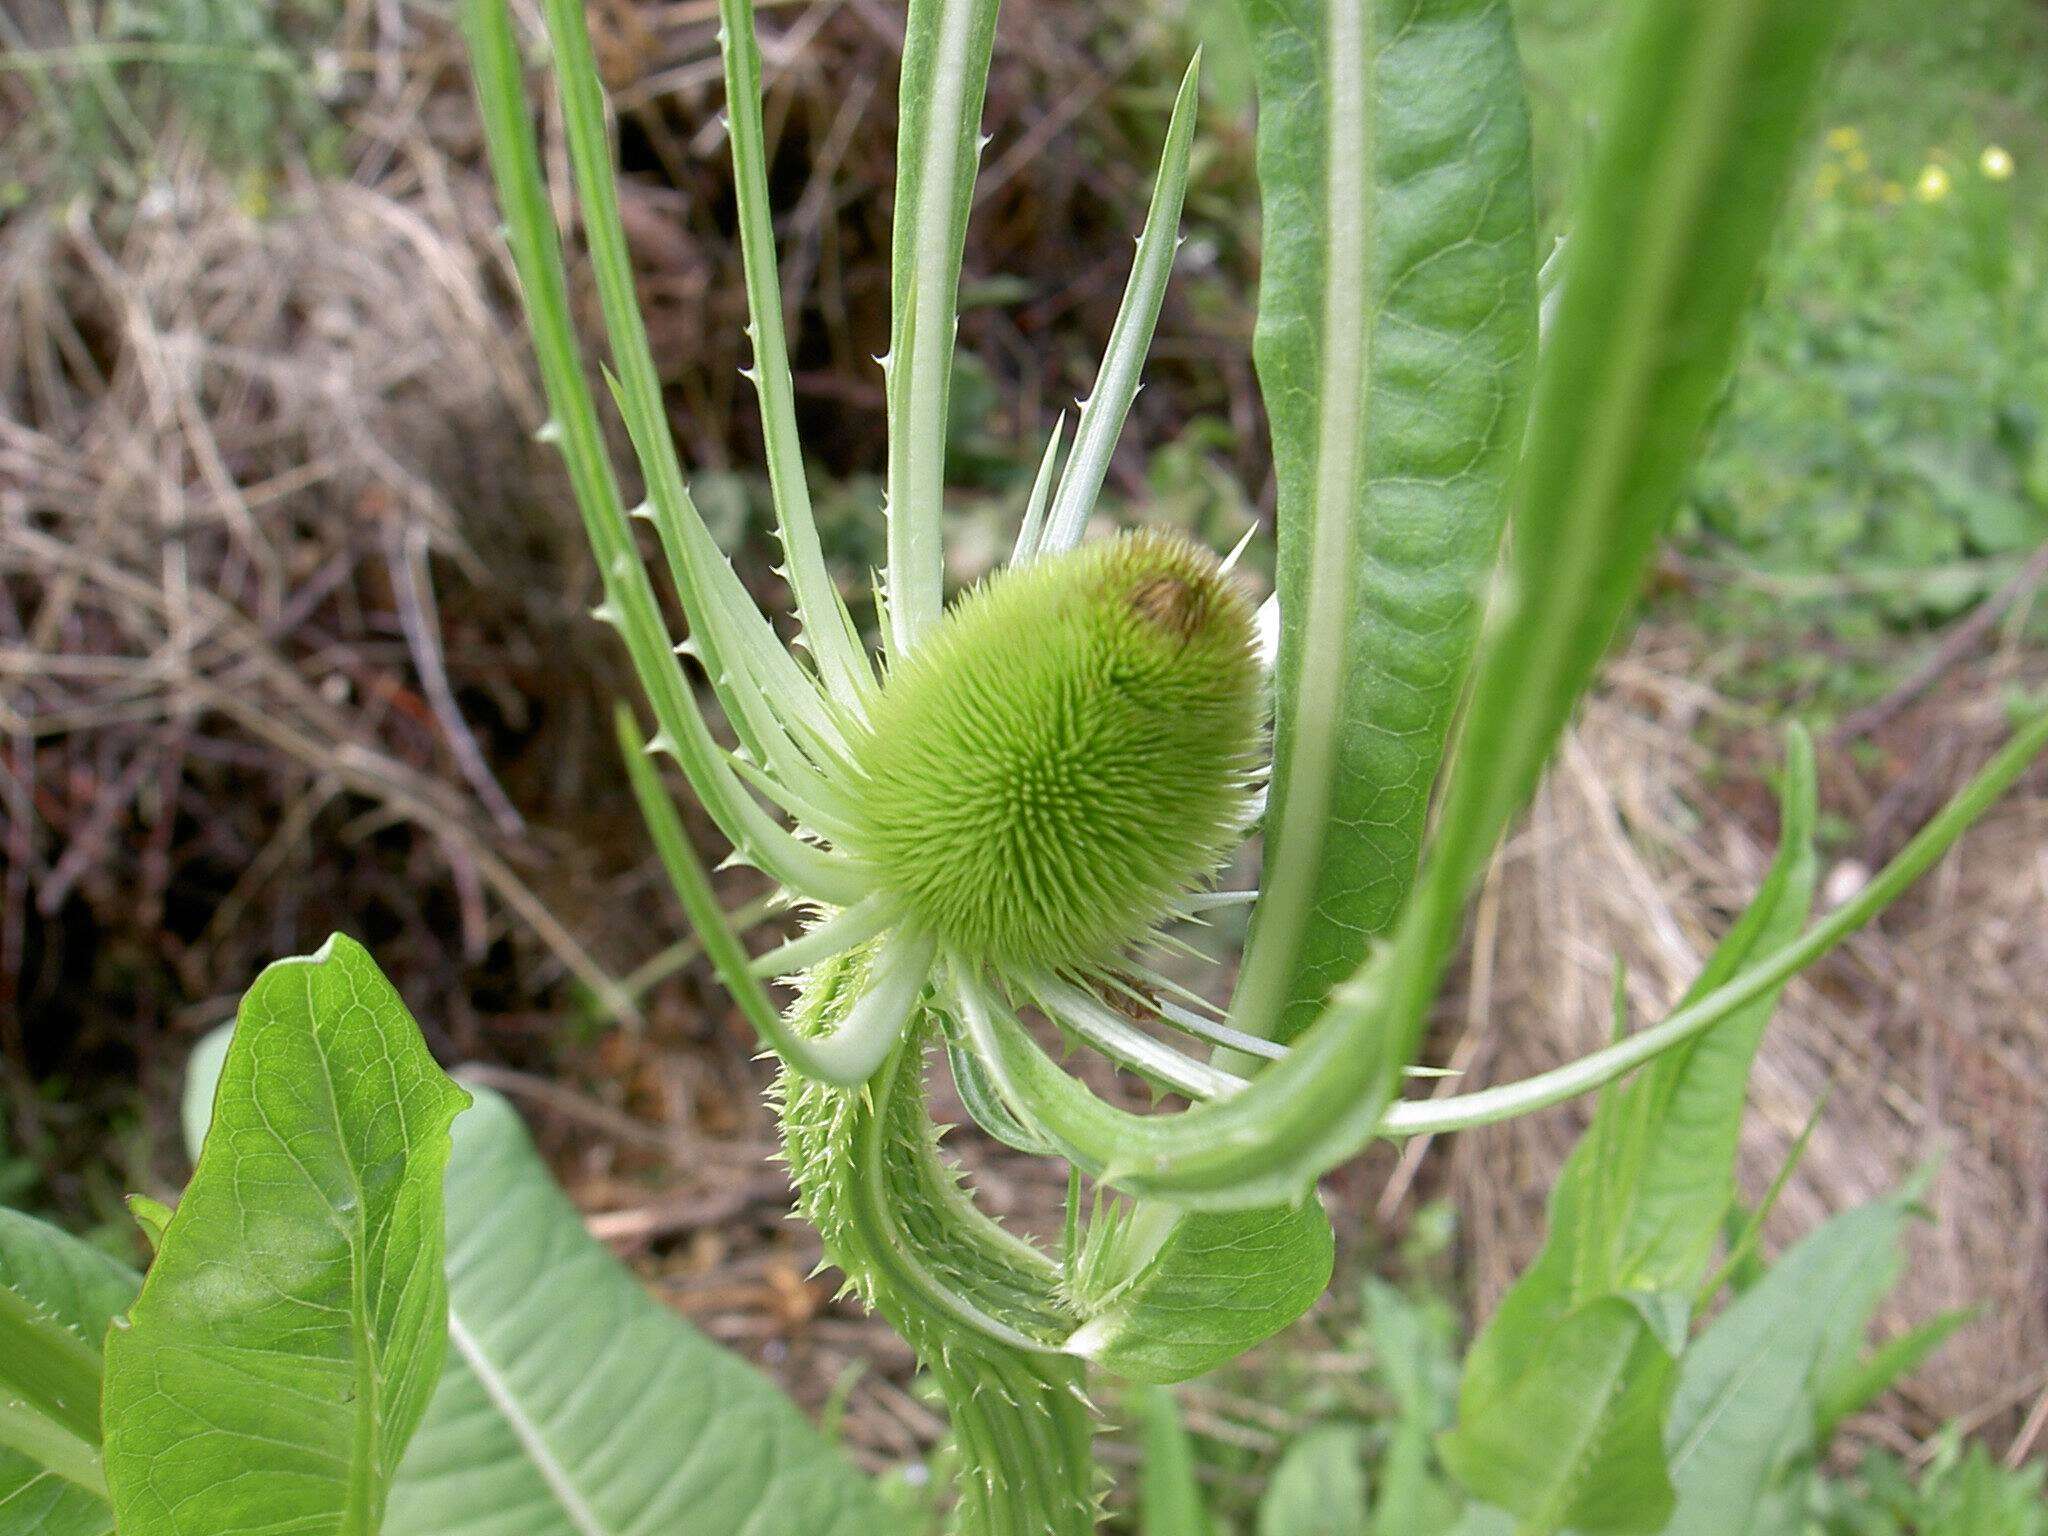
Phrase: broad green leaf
(1396, 336)
(1318, 1489)
(1169, 1493)
(946, 47)
(573, 1404)
(1195, 1290)
(291, 1329)
(1594, 1325)
(1600, 1396)
(57, 1297)
(543, 1307)
(1744, 1406)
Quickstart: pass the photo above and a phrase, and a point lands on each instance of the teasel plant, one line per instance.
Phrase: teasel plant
(1030, 787)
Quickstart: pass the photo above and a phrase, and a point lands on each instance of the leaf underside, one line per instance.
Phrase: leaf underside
(1396, 334)
(571, 1403)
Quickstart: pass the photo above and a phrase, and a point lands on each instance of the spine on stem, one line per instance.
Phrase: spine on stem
(981, 1307)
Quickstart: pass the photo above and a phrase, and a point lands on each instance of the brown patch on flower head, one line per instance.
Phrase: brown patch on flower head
(1170, 602)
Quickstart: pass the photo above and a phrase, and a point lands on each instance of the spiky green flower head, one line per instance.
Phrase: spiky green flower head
(1067, 751)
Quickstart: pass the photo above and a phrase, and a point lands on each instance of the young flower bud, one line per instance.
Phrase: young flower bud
(1067, 751)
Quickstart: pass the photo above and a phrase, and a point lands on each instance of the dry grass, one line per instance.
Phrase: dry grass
(282, 597)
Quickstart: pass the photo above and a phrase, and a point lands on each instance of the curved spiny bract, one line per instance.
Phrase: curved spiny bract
(981, 1308)
(1066, 752)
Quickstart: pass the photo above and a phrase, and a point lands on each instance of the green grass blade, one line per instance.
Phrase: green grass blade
(1130, 336)
(1855, 1388)
(629, 595)
(1396, 334)
(938, 147)
(1169, 1493)
(827, 627)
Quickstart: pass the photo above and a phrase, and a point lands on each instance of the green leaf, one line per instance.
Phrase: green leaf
(1600, 1395)
(289, 1334)
(1192, 1291)
(35, 1501)
(1411, 1359)
(1744, 1406)
(1854, 1387)
(1169, 1494)
(1396, 336)
(1318, 1489)
(573, 1404)
(1675, 1129)
(57, 1297)
(1591, 1330)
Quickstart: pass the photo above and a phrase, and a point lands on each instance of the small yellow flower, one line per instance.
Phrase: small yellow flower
(1892, 193)
(1995, 162)
(1844, 138)
(1857, 161)
(1933, 184)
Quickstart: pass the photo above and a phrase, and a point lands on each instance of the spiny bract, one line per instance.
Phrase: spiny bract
(1067, 751)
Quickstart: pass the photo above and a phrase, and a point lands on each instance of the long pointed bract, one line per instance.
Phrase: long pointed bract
(945, 72)
(1130, 337)
(629, 596)
(827, 627)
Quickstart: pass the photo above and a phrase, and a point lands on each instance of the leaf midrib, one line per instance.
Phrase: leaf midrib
(1343, 363)
(364, 1457)
(531, 1437)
